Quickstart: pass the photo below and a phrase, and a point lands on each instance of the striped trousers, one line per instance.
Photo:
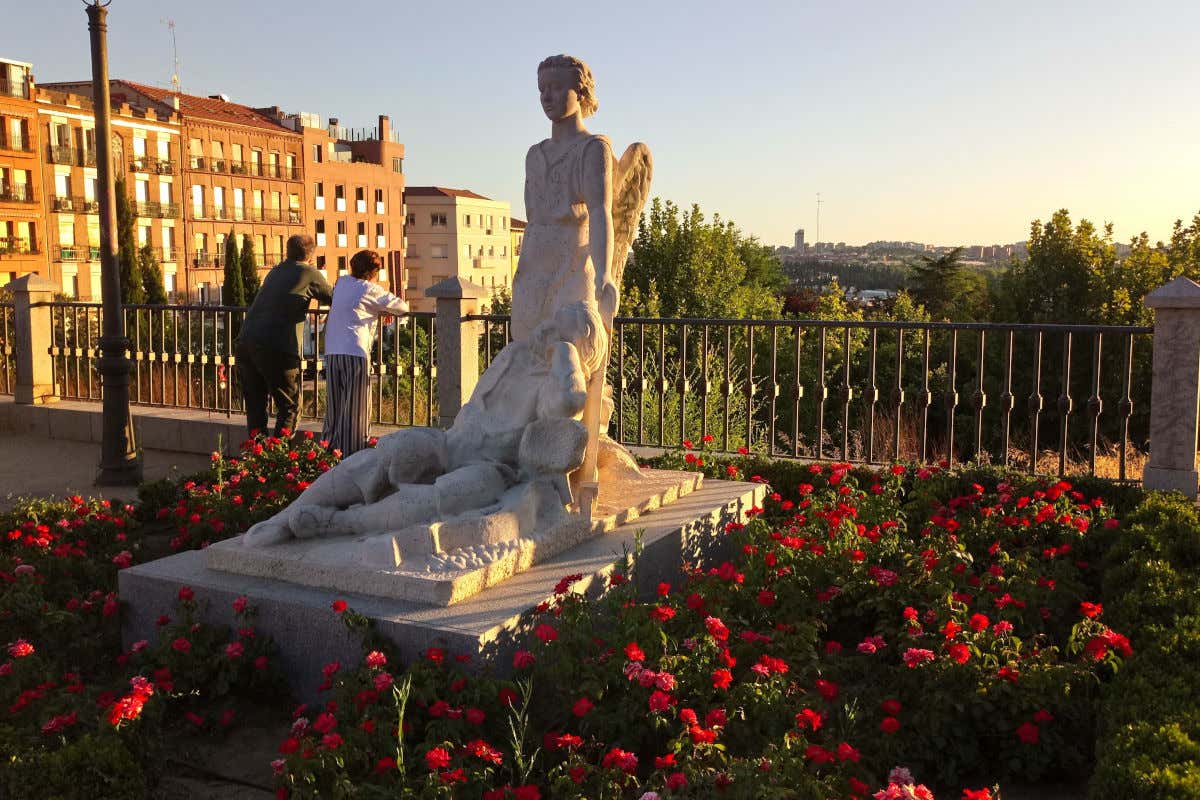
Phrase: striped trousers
(347, 403)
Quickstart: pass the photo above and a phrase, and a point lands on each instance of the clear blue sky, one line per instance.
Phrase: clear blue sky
(945, 122)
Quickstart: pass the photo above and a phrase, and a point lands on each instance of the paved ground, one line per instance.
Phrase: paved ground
(32, 465)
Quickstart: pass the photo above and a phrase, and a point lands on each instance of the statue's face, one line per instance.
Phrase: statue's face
(557, 87)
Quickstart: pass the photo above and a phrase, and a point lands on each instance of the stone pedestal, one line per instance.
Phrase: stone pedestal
(1175, 391)
(34, 335)
(457, 344)
(489, 626)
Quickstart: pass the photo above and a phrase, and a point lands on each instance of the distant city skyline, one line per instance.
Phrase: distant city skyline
(946, 123)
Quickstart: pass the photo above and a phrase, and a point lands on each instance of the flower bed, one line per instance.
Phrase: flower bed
(80, 716)
(875, 634)
(870, 620)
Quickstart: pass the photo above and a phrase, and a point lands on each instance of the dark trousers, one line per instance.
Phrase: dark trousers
(269, 373)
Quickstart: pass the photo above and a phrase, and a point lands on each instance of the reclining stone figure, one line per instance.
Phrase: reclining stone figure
(520, 426)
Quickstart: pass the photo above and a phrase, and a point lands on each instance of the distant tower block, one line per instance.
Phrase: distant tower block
(800, 240)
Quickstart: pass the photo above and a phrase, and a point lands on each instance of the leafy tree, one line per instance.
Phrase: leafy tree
(133, 290)
(947, 289)
(151, 276)
(683, 265)
(232, 292)
(250, 282)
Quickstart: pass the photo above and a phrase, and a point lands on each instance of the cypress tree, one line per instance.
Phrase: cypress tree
(250, 282)
(151, 276)
(133, 291)
(232, 293)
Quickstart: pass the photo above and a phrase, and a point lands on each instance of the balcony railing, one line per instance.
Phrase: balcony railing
(168, 254)
(237, 168)
(61, 154)
(17, 193)
(76, 252)
(10, 88)
(216, 165)
(89, 159)
(197, 162)
(21, 145)
(16, 246)
(73, 204)
(157, 166)
(157, 209)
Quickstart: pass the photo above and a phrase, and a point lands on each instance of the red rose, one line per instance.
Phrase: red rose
(1028, 733)
(338, 606)
(722, 678)
(889, 725)
(634, 653)
(582, 707)
(546, 633)
(437, 758)
(890, 707)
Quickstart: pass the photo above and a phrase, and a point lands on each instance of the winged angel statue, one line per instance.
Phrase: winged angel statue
(583, 207)
(537, 413)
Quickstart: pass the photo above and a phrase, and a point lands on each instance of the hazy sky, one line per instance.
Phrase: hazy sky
(944, 122)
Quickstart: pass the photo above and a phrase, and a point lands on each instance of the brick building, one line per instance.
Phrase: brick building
(354, 180)
(145, 155)
(22, 216)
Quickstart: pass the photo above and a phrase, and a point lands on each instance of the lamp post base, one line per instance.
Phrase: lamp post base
(120, 457)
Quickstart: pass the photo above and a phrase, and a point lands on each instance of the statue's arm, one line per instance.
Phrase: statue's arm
(597, 193)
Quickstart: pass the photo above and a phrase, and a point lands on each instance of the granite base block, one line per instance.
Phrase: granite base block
(489, 626)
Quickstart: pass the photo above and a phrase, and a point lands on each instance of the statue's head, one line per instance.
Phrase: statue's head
(567, 87)
(579, 323)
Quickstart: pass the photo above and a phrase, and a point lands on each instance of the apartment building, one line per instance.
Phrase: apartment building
(455, 232)
(354, 182)
(145, 155)
(240, 171)
(22, 218)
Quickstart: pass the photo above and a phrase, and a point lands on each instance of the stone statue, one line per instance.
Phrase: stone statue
(535, 416)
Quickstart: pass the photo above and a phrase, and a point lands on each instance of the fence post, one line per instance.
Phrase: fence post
(457, 344)
(33, 332)
(1175, 387)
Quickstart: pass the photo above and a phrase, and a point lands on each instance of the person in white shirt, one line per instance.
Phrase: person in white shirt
(350, 328)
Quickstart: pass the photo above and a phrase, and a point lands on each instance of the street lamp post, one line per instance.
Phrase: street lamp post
(120, 459)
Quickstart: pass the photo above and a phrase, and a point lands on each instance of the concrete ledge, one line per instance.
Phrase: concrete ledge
(489, 626)
(172, 429)
(1171, 480)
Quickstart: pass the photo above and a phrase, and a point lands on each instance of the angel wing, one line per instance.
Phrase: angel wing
(631, 187)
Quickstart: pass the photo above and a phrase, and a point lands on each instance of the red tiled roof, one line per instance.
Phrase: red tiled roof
(207, 108)
(517, 224)
(441, 191)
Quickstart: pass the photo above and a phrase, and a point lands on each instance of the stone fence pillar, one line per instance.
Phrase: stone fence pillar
(32, 333)
(1175, 389)
(457, 344)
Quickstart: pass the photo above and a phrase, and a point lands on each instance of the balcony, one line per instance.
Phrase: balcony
(216, 165)
(77, 252)
(255, 168)
(294, 217)
(61, 154)
(197, 162)
(17, 193)
(21, 145)
(156, 166)
(19, 88)
(16, 246)
(169, 255)
(89, 159)
(237, 168)
(156, 209)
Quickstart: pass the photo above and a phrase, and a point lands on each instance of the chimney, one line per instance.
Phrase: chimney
(385, 128)
(175, 102)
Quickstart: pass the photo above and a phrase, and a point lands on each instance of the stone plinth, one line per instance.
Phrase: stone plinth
(1175, 390)
(488, 626)
(370, 565)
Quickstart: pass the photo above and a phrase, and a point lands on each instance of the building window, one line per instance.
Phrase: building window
(318, 153)
(467, 252)
(379, 229)
(379, 195)
(467, 220)
(320, 262)
(341, 227)
(320, 227)
(437, 220)
(397, 165)
(341, 265)
(437, 251)
(411, 219)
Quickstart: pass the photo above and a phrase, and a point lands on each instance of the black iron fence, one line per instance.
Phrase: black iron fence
(185, 357)
(1045, 398)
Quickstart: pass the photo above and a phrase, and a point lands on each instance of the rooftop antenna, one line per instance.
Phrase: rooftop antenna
(170, 23)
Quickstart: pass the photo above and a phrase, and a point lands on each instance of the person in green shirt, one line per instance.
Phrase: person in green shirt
(269, 346)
